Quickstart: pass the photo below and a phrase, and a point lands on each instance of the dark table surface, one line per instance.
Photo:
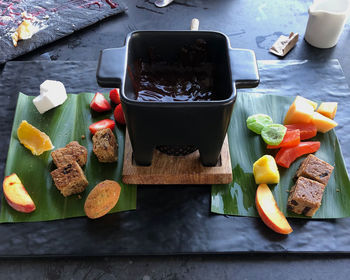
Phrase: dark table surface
(249, 24)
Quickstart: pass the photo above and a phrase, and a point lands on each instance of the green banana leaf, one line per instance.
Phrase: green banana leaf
(238, 197)
(63, 124)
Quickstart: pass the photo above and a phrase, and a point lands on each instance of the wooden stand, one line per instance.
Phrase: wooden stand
(167, 169)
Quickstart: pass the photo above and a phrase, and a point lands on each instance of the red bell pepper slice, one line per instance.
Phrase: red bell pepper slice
(290, 139)
(99, 103)
(286, 156)
(307, 130)
(107, 123)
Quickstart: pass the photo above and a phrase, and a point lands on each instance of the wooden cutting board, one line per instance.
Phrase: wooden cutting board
(167, 169)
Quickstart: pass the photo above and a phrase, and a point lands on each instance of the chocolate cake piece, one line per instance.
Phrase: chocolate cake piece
(316, 169)
(69, 179)
(72, 152)
(105, 145)
(305, 196)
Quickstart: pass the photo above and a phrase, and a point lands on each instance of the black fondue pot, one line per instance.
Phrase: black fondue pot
(177, 89)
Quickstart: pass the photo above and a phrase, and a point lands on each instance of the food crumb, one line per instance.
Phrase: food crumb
(288, 191)
(83, 136)
(24, 31)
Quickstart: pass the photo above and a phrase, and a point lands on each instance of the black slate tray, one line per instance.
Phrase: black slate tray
(171, 219)
(61, 17)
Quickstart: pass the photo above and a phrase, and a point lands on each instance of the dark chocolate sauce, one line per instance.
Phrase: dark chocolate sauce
(167, 83)
(188, 79)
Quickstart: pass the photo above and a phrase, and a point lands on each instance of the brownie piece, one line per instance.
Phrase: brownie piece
(316, 169)
(72, 152)
(305, 196)
(69, 179)
(105, 145)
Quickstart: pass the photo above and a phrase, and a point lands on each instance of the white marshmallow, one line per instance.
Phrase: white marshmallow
(52, 94)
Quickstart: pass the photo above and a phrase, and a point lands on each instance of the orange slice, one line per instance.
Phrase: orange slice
(33, 139)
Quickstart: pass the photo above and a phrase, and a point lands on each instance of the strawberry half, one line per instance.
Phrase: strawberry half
(119, 114)
(114, 96)
(107, 123)
(99, 103)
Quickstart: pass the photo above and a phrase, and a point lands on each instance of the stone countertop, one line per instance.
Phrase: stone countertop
(249, 24)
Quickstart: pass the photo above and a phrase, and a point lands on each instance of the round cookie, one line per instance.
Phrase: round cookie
(103, 197)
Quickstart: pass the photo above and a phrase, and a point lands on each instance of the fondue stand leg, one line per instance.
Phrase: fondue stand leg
(209, 154)
(142, 153)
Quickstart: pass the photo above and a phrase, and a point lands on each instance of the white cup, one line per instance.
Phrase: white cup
(326, 22)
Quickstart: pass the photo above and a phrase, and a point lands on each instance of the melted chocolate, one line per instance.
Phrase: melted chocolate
(166, 83)
(188, 79)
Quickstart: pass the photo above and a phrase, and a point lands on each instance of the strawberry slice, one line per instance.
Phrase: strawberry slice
(106, 123)
(114, 96)
(99, 103)
(119, 114)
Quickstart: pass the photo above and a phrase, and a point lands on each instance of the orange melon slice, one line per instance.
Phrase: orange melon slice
(328, 109)
(323, 123)
(303, 99)
(300, 111)
(33, 139)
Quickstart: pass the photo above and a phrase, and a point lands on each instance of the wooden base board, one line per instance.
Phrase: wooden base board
(176, 169)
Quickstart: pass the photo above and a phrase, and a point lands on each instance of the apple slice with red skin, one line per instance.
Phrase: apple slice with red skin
(269, 212)
(16, 195)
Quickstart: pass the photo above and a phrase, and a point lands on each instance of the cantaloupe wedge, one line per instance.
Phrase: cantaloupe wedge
(323, 123)
(328, 109)
(300, 111)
